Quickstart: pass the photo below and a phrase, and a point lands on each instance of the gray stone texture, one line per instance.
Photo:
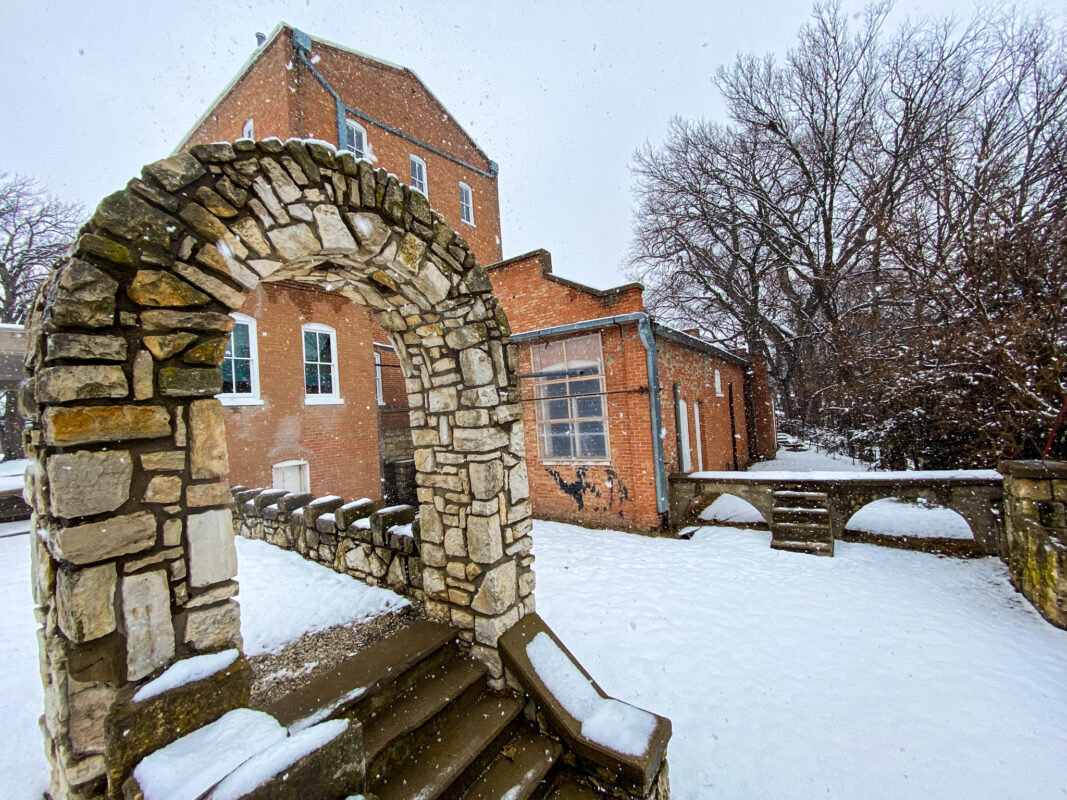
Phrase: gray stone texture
(86, 482)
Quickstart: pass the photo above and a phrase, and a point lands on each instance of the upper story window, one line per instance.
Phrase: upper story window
(355, 139)
(466, 203)
(418, 174)
(569, 392)
(249, 130)
(378, 378)
(718, 384)
(320, 364)
(240, 365)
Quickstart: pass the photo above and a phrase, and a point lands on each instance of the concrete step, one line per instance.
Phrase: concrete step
(519, 769)
(444, 765)
(809, 528)
(360, 685)
(395, 731)
(803, 546)
(797, 499)
(820, 511)
(568, 789)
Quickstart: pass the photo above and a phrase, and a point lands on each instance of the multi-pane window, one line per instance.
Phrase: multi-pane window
(240, 370)
(418, 174)
(570, 405)
(355, 139)
(466, 204)
(320, 364)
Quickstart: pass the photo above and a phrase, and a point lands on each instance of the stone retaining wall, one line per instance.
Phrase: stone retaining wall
(1035, 494)
(373, 545)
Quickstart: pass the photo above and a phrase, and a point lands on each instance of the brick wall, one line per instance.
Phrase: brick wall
(285, 100)
(340, 442)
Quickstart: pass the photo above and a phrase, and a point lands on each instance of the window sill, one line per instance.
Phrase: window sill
(323, 400)
(578, 462)
(471, 224)
(237, 400)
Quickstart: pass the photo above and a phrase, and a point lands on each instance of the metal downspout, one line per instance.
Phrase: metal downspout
(648, 341)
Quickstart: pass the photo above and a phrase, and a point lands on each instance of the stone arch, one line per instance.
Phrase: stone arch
(134, 559)
(855, 500)
(935, 505)
(707, 500)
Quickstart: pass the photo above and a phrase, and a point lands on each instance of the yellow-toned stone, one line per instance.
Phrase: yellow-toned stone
(168, 345)
(164, 489)
(82, 424)
(208, 352)
(151, 287)
(208, 494)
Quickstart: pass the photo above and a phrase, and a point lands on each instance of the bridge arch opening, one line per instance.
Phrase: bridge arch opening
(904, 517)
(731, 510)
(134, 561)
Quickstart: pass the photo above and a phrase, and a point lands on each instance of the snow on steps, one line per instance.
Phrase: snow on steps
(248, 755)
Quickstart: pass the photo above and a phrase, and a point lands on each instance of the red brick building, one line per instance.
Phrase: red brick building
(315, 393)
(615, 402)
(336, 423)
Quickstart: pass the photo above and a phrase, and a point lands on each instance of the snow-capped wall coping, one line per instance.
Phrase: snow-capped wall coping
(629, 742)
(899, 476)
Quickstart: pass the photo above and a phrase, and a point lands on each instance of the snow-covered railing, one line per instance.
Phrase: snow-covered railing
(359, 538)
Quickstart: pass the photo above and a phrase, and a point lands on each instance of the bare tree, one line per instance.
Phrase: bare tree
(883, 218)
(35, 231)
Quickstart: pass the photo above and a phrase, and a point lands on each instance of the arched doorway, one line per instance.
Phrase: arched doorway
(134, 560)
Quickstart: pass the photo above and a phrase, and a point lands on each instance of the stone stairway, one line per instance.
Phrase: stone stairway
(800, 521)
(431, 726)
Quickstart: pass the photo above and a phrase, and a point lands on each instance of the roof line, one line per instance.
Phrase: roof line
(545, 258)
(696, 343)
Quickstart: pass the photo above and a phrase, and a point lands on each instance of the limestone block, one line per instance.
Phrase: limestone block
(99, 541)
(189, 381)
(89, 708)
(214, 203)
(483, 539)
(441, 400)
(476, 366)
(487, 478)
(478, 440)
(527, 582)
(208, 456)
(162, 289)
(455, 543)
(518, 482)
(482, 397)
(213, 286)
(395, 575)
(207, 225)
(83, 382)
(166, 320)
(105, 248)
(147, 622)
(85, 482)
(85, 602)
(252, 236)
(282, 184)
(433, 583)
(85, 297)
(295, 241)
(175, 172)
(335, 235)
(488, 630)
(212, 555)
(222, 591)
(472, 418)
(164, 489)
(129, 217)
(498, 590)
(168, 345)
(165, 461)
(85, 346)
(208, 494)
(213, 627)
(211, 257)
(410, 252)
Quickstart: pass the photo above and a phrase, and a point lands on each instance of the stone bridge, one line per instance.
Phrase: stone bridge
(807, 511)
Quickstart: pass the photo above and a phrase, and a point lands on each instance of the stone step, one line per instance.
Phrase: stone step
(806, 528)
(816, 511)
(803, 546)
(370, 679)
(519, 769)
(797, 493)
(801, 499)
(462, 749)
(568, 789)
(393, 732)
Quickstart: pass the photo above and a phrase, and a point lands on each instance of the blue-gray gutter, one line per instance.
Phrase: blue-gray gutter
(648, 340)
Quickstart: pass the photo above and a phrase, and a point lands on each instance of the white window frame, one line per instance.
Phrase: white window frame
(334, 397)
(468, 206)
(700, 447)
(414, 162)
(541, 397)
(303, 470)
(253, 397)
(718, 384)
(378, 378)
(686, 456)
(350, 126)
(248, 130)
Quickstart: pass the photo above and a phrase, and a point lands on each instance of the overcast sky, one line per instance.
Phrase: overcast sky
(559, 94)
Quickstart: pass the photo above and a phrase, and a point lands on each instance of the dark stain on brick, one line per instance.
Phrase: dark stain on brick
(580, 487)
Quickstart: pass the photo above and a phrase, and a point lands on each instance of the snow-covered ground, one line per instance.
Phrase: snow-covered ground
(282, 597)
(874, 674)
(11, 474)
(890, 516)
